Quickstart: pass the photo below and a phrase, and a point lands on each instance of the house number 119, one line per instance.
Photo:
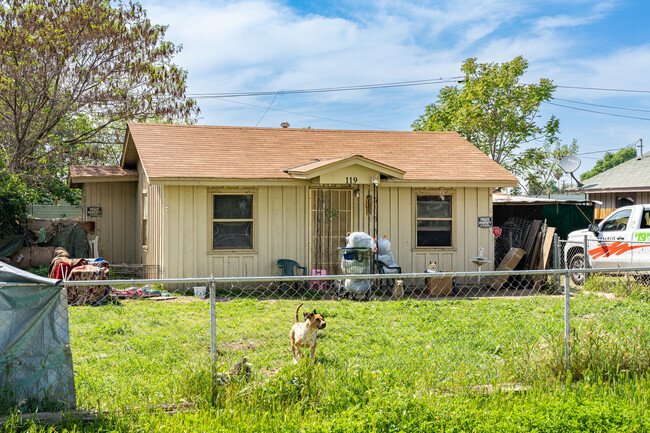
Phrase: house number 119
(351, 180)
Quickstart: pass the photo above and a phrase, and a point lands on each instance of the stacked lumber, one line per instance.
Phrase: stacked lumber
(537, 246)
(534, 255)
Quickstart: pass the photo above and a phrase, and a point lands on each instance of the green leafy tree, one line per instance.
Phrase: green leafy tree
(610, 160)
(72, 72)
(500, 116)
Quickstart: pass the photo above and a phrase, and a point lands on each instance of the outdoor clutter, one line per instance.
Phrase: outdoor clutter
(528, 246)
(35, 247)
(64, 268)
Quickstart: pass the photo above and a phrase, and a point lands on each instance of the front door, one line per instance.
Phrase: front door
(330, 222)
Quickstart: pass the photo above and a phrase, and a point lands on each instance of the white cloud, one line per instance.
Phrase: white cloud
(256, 45)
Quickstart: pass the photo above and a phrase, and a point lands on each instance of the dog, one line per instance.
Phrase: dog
(398, 290)
(303, 334)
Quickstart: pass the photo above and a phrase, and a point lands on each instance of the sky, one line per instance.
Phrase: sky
(281, 45)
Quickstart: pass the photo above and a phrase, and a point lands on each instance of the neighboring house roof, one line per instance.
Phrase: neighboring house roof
(101, 173)
(217, 152)
(499, 198)
(632, 175)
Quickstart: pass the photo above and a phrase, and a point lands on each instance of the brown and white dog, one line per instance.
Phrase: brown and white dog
(303, 334)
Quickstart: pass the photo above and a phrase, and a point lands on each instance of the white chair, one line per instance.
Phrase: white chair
(94, 247)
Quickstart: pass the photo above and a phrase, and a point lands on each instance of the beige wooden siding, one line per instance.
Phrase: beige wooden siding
(279, 227)
(281, 230)
(609, 202)
(396, 221)
(117, 225)
(155, 227)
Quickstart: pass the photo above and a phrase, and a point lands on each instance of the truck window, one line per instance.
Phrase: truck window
(617, 222)
(645, 220)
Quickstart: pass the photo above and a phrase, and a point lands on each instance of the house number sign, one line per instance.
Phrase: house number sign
(351, 180)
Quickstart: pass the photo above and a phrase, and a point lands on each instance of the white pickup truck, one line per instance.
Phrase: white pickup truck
(620, 240)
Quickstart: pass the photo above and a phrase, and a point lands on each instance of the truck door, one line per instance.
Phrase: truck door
(640, 246)
(613, 241)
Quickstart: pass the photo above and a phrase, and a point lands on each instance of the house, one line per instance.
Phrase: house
(230, 201)
(622, 185)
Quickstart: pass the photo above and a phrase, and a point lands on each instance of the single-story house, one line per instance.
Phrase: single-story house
(625, 184)
(197, 200)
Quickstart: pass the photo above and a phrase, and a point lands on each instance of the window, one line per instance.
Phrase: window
(618, 221)
(145, 217)
(433, 221)
(645, 220)
(232, 222)
(625, 200)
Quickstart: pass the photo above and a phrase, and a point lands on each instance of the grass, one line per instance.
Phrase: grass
(380, 366)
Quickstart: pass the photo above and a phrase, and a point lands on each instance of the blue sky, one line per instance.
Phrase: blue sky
(270, 45)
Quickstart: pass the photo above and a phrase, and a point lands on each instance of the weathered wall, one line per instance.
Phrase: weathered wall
(117, 225)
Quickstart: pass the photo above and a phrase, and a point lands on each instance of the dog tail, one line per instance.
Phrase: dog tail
(297, 312)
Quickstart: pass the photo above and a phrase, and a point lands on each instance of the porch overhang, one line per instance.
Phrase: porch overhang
(355, 169)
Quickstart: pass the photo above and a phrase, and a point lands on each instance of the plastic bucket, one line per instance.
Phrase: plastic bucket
(199, 291)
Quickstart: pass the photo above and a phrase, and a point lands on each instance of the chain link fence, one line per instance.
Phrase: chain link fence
(149, 343)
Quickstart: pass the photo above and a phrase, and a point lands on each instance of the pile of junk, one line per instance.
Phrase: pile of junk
(357, 258)
(62, 245)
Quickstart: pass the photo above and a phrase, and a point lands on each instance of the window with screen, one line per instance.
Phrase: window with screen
(232, 221)
(433, 220)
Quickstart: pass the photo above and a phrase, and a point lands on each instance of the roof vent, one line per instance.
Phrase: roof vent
(284, 124)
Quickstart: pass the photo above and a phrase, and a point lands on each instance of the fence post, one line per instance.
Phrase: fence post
(213, 336)
(585, 256)
(556, 258)
(567, 322)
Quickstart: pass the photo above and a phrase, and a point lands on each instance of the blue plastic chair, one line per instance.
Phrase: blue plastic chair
(288, 270)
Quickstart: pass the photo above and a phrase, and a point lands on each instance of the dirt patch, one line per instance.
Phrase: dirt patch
(243, 345)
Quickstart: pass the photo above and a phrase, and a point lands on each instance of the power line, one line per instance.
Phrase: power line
(598, 112)
(327, 89)
(267, 110)
(603, 89)
(303, 114)
(603, 106)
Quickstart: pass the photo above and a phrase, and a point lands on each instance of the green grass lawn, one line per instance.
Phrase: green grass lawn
(379, 366)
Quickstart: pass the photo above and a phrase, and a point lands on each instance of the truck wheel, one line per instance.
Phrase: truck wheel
(577, 261)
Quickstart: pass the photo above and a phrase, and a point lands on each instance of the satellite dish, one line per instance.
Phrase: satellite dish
(570, 163)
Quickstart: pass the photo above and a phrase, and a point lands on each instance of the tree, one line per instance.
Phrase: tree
(71, 73)
(497, 114)
(610, 160)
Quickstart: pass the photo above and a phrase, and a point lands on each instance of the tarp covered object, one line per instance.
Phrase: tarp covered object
(35, 358)
(73, 238)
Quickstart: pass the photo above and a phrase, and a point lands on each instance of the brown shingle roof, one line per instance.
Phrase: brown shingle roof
(193, 151)
(78, 171)
(100, 173)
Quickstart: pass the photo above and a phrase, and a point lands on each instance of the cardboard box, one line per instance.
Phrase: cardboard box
(440, 286)
(508, 263)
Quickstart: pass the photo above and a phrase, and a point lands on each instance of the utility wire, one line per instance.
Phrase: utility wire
(604, 89)
(305, 115)
(603, 106)
(327, 89)
(267, 109)
(598, 112)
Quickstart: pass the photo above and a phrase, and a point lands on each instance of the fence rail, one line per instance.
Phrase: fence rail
(446, 330)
